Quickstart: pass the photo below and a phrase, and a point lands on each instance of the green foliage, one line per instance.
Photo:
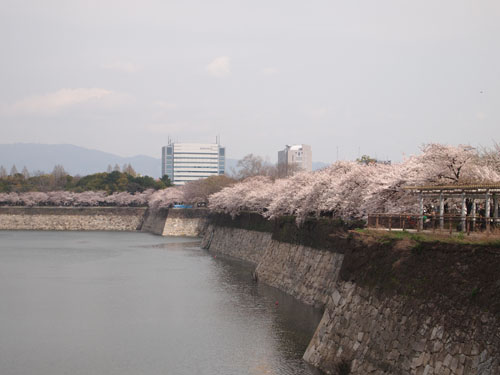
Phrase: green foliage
(492, 243)
(401, 235)
(474, 292)
(166, 180)
(4, 186)
(366, 159)
(418, 248)
(356, 224)
(388, 237)
(118, 181)
(114, 181)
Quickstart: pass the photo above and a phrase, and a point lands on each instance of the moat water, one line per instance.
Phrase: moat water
(134, 303)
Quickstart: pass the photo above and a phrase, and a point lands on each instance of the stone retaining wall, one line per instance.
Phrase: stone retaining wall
(399, 336)
(176, 222)
(307, 274)
(165, 222)
(239, 243)
(178, 226)
(71, 218)
(365, 331)
(154, 221)
(301, 271)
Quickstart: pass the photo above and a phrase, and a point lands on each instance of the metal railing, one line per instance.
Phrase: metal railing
(434, 222)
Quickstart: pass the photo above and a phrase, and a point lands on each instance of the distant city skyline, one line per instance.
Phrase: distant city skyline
(377, 78)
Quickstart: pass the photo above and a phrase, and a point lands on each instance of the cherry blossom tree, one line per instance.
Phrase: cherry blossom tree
(9, 199)
(351, 190)
(61, 198)
(348, 190)
(446, 164)
(248, 195)
(199, 190)
(67, 198)
(166, 198)
(491, 157)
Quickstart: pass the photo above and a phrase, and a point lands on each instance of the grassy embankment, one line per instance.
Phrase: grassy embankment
(454, 272)
(476, 239)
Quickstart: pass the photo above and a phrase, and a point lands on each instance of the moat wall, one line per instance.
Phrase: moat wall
(165, 222)
(401, 335)
(390, 307)
(176, 222)
(71, 218)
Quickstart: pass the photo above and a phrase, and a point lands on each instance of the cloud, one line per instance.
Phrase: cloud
(317, 112)
(122, 66)
(164, 104)
(481, 116)
(162, 111)
(189, 130)
(62, 99)
(165, 129)
(269, 71)
(219, 67)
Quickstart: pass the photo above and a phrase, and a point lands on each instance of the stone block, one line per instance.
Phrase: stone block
(418, 346)
(437, 347)
(437, 369)
(428, 370)
(447, 360)
(454, 364)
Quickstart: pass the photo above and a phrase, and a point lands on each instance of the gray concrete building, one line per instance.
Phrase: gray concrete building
(300, 155)
(184, 162)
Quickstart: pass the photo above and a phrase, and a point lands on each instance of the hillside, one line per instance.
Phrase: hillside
(74, 159)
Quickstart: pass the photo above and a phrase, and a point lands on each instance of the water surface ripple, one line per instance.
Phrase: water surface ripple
(133, 303)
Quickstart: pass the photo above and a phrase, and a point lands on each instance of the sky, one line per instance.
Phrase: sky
(346, 77)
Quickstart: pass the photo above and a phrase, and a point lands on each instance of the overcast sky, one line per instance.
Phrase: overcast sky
(371, 77)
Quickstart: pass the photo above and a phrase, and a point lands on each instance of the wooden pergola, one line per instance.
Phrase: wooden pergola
(489, 193)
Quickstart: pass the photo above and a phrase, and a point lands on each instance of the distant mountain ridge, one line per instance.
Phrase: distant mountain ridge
(82, 161)
(74, 159)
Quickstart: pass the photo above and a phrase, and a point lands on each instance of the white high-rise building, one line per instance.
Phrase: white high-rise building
(184, 162)
(300, 155)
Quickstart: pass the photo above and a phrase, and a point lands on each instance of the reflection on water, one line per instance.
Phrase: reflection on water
(134, 303)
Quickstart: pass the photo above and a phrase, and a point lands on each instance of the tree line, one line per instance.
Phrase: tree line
(114, 180)
(193, 192)
(352, 189)
(346, 189)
